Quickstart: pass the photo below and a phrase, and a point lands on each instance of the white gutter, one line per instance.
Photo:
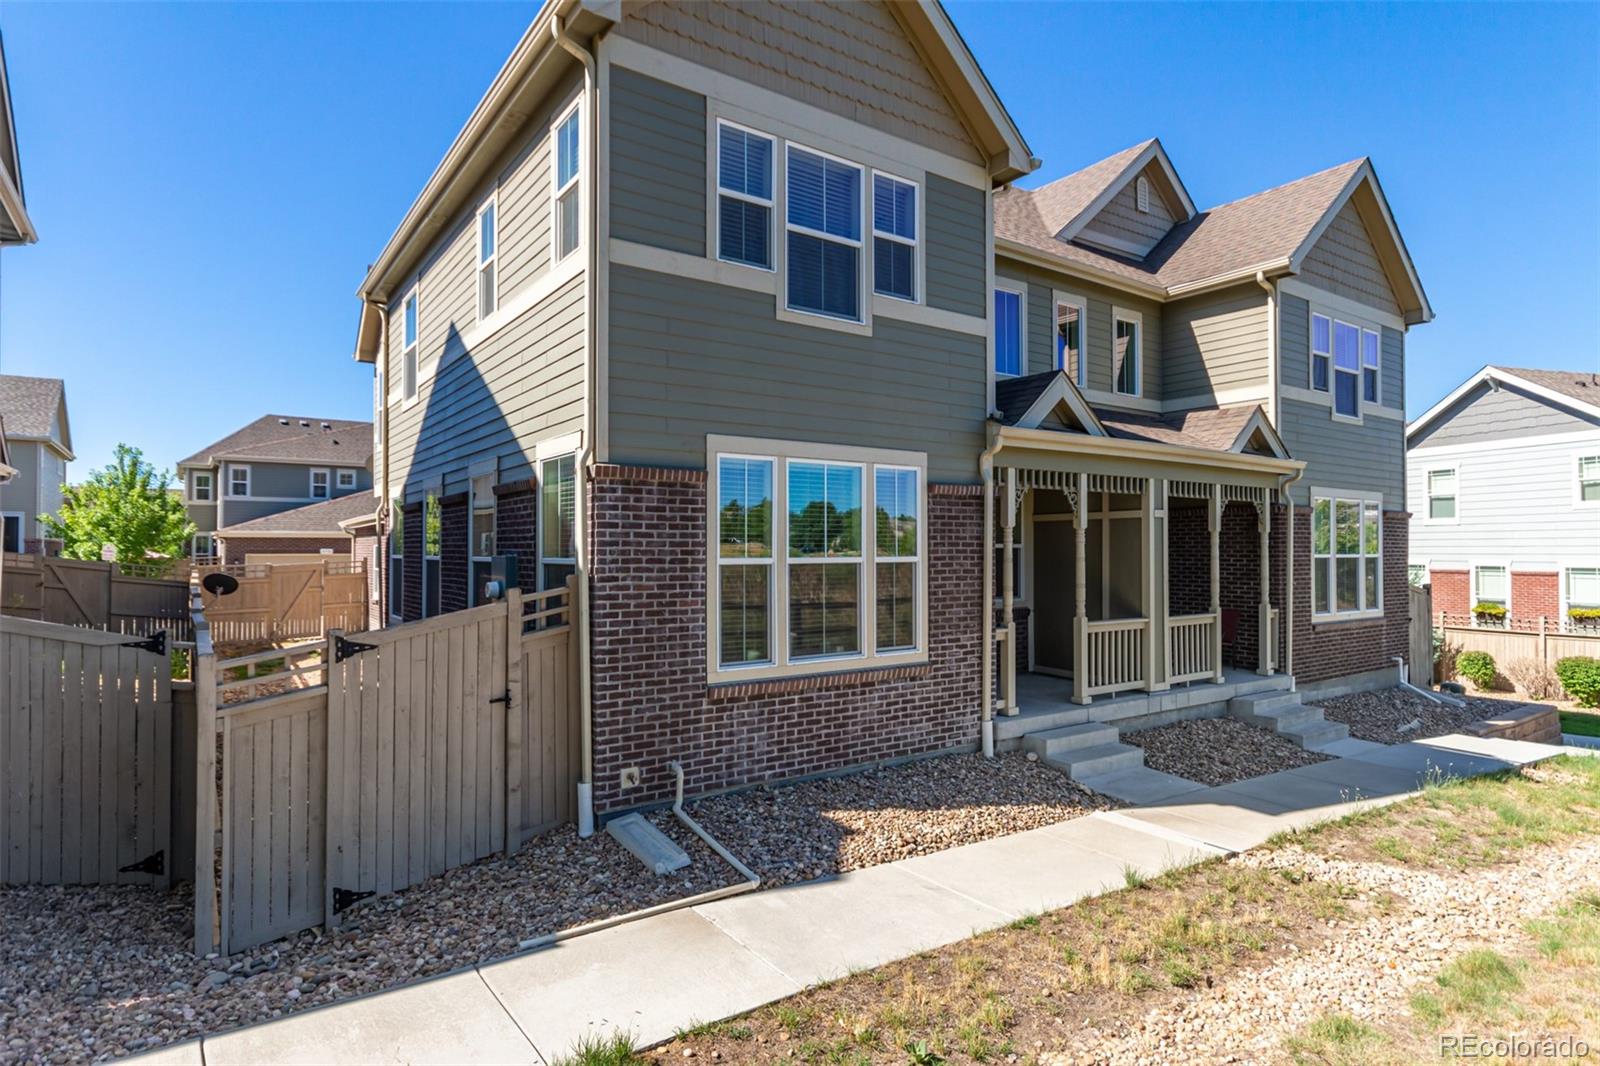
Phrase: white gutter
(1115, 448)
(591, 239)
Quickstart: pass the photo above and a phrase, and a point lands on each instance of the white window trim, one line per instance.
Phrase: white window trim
(327, 483)
(863, 227)
(472, 549)
(1361, 499)
(1071, 299)
(22, 528)
(211, 486)
(1377, 371)
(1312, 353)
(557, 191)
(235, 468)
(1020, 290)
(781, 453)
(1427, 493)
(548, 452)
(1566, 595)
(717, 192)
(412, 351)
(916, 243)
(491, 204)
(211, 546)
(339, 478)
(1123, 314)
(1577, 479)
(1472, 587)
(1334, 370)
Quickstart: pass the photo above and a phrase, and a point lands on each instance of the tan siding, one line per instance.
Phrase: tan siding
(852, 59)
(1214, 342)
(1122, 221)
(1343, 261)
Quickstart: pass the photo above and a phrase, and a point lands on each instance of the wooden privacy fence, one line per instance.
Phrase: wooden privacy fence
(96, 595)
(423, 747)
(86, 757)
(1522, 638)
(288, 601)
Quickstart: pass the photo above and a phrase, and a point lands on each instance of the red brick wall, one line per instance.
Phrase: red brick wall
(1188, 560)
(1452, 592)
(1535, 594)
(514, 529)
(455, 518)
(651, 700)
(1335, 649)
(234, 549)
(47, 546)
(411, 533)
(366, 548)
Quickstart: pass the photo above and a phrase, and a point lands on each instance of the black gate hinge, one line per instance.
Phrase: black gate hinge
(502, 699)
(157, 643)
(150, 864)
(344, 899)
(344, 648)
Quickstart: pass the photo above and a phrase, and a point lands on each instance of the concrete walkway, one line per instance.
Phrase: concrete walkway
(657, 975)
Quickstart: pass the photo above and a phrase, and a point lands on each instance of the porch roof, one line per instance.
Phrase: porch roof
(1046, 449)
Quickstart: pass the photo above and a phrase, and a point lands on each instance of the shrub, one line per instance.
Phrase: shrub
(1477, 667)
(1534, 678)
(1445, 655)
(1580, 676)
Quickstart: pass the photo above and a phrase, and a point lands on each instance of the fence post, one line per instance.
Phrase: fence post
(515, 758)
(1544, 641)
(205, 813)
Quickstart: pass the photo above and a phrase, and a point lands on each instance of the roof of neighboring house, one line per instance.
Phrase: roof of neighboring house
(319, 518)
(1576, 389)
(15, 225)
(1580, 385)
(7, 471)
(30, 407)
(292, 439)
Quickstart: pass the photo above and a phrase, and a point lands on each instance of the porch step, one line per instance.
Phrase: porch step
(1320, 736)
(1139, 785)
(1097, 760)
(1258, 704)
(1053, 743)
(1283, 713)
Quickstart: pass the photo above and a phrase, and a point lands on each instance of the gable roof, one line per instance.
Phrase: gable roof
(1215, 429)
(31, 406)
(1122, 169)
(292, 439)
(322, 517)
(1027, 401)
(15, 225)
(7, 471)
(1572, 389)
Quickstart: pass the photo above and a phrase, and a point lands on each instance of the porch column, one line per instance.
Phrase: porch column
(1264, 611)
(1008, 591)
(1214, 525)
(1080, 592)
(1152, 576)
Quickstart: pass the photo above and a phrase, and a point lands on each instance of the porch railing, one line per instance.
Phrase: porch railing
(1191, 647)
(1114, 657)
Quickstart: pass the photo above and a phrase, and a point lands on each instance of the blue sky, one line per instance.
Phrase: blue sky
(210, 181)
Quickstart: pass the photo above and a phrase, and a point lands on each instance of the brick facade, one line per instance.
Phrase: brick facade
(367, 549)
(515, 529)
(49, 547)
(1452, 592)
(411, 569)
(1535, 594)
(455, 531)
(234, 549)
(1335, 649)
(652, 702)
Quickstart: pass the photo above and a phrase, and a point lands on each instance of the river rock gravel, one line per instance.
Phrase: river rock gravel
(1218, 751)
(1381, 716)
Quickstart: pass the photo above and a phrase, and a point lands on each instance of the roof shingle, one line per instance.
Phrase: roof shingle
(1577, 384)
(293, 439)
(29, 405)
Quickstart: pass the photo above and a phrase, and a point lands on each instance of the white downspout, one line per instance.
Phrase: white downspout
(986, 467)
(586, 456)
(381, 418)
(1286, 619)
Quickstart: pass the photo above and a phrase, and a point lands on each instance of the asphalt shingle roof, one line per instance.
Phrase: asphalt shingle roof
(1574, 383)
(29, 405)
(1207, 428)
(293, 439)
(321, 517)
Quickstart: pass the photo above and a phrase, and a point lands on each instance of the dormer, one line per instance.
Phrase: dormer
(1122, 205)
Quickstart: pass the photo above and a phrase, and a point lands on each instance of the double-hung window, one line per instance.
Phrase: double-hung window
(1125, 354)
(1369, 366)
(488, 294)
(1346, 370)
(319, 484)
(481, 535)
(823, 224)
(1008, 335)
(201, 482)
(557, 520)
(1442, 494)
(1583, 597)
(1071, 316)
(744, 196)
(818, 557)
(346, 479)
(408, 348)
(894, 237)
(397, 551)
(1588, 480)
(565, 184)
(1491, 585)
(1346, 555)
(1321, 351)
(238, 480)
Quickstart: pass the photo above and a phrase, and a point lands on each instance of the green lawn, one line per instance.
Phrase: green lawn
(1580, 724)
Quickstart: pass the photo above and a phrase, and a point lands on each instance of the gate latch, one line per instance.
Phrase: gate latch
(344, 648)
(157, 643)
(150, 864)
(344, 899)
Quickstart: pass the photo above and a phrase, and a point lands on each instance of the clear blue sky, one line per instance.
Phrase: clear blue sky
(210, 181)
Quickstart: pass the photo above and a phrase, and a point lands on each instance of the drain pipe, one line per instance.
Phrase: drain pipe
(986, 467)
(1286, 618)
(580, 546)
(677, 809)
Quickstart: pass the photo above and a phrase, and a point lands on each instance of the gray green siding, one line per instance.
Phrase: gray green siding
(957, 258)
(1214, 342)
(689, 358)
(1294, 342)
(658, 163)
(1370, 456)
(1497, 414)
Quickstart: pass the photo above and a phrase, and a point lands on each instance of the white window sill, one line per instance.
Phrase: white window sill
(1352, 420)
(809, 668)
(1345, 616)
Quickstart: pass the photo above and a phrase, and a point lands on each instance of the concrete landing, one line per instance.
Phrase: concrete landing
(1140, 785)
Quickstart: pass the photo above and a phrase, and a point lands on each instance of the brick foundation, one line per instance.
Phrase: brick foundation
(1535, 595)
(411, 534)
(1335, 649)
(234, 549)
(651, 700)
(455, 518)
(50, 547)
(1452, 592)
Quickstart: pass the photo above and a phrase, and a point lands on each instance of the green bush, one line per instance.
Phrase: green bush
(1580, 676)
(1477, 667)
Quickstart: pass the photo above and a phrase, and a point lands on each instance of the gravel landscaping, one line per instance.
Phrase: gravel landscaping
(1218, 751)
(1379, 716)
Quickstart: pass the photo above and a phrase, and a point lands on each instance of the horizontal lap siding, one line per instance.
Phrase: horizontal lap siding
(1294, 341)
(1214, 342)
(1369, 456)
(957, 254)
(658, 163)
(1041, 326)
(689, 358)
(1393, 385)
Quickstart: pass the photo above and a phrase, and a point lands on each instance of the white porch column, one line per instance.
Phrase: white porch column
(1152, 548)
(1080, 592)
(1214, 525)
(1264, 610)
(1008, 591)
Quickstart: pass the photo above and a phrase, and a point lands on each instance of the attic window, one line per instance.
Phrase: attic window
(1141, 194)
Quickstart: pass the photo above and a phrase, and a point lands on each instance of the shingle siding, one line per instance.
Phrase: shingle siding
(1344, 261)
(658, 163)
(1486, 414)
(1123, 222)
(957, 220)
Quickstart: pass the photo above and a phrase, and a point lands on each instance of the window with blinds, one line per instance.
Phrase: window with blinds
(744, 196)
(894, 237)
(824, 234)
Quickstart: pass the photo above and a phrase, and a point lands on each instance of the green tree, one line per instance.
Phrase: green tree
(126, 505)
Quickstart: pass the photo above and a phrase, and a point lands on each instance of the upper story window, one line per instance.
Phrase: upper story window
(347, 479)
(488, 294)
(744, 196)
(1346, 555)
(1369, 366)
(238, 480)
(894, 237)
(1588, 480)
(1321, 351)
(824, 234)
(1008, 333)
(1071, 316)
(201, 492)
(1346, 370)
(408, 348)
(1126, 354)
(565, 184)
(1442, 495)
(1346, 361)
(319, 484)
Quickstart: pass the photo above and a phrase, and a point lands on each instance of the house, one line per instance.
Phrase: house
(258, 490)
(1504, 478)
(38, 443)
(735, 312)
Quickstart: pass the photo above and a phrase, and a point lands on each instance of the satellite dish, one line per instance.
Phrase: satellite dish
(220, 584)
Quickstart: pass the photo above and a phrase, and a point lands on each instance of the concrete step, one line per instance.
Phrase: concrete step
(1053, 743)
(1287, 719)
(1319, 735)
(1258, 703)
(1036, 717)
(1139, 785)
(1100, 759)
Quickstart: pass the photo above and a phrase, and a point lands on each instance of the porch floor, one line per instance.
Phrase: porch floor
(1045, 702)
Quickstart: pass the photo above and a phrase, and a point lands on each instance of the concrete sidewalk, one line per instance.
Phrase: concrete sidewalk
(655, 976)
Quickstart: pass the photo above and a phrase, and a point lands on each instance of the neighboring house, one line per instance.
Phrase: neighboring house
(7, 471)
(733, 311)
(39, 447)
(275, 464)
(315, 529)
(1504, 479)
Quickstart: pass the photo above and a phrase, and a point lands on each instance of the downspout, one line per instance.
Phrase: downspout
(591, 420)
(986, 467)
(381, 417)
(1285, 489)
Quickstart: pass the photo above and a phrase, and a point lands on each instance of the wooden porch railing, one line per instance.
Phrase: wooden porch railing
(1191, 647)
(1114, 659)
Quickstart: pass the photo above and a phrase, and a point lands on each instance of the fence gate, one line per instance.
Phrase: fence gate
(1421, 634)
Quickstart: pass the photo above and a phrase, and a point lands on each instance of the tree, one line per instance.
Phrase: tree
(127, 505)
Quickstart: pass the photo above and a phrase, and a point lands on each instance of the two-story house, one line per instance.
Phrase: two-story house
(734, 311)
(1504, 478)
(38, 447)
(281, 485)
